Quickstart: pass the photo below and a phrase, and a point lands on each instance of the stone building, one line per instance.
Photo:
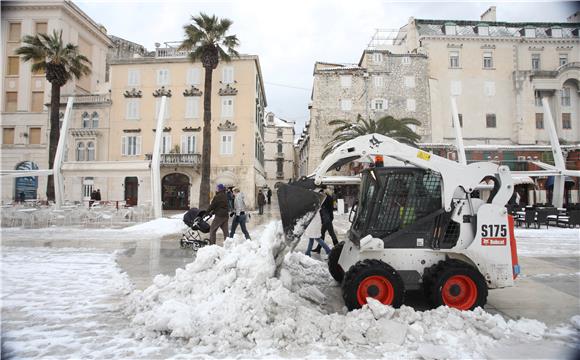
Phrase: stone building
(25, 122)
(279, 150)
(382, 83)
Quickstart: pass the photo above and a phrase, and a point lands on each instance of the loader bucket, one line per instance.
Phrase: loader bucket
(298, 205)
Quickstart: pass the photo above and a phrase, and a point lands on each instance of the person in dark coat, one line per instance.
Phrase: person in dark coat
(98, 195)
(261, 202)
(230, 195)
(327, 217)
(219, 207)
(93, 198)
(269, 196)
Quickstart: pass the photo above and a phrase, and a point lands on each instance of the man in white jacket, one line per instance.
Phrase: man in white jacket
(314, 233)
(240, 215)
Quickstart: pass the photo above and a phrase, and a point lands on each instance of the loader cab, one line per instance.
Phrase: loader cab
(400, 205)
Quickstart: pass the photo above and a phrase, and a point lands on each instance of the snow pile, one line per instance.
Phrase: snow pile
(228, 300)
(161, 226)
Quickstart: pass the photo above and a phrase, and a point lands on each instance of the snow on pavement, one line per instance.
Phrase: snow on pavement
(229, 302)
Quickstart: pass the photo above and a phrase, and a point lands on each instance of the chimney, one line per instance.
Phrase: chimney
(489, 14)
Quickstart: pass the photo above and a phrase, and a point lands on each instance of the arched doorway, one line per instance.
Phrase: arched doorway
(26, 187)
(175, 189)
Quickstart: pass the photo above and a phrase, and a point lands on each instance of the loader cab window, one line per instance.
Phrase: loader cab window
(408, 196)
(367, 194)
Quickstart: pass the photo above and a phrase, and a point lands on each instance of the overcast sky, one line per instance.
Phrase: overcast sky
(289, 36)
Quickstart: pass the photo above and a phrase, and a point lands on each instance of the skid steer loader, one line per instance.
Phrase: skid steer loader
(416, 226)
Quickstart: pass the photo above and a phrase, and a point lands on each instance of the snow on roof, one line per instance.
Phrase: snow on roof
(282, 123)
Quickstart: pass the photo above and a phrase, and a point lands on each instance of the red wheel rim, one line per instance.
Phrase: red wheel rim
(377, 287)
(460, 292)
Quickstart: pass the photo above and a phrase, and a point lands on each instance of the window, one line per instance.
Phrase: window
(489, 88)
(406, 60)
(410, 81)
(411, 105)
(454, 59)
(133, 77)
(346, 104)
(88, 184)
(37, 101)
(34, 136)
(133, 109)
(455, 87)
(345, 81)
(86, 120)
(487, 60)
(530, 32)
(280, 147)
(91, 151)
(188, 144)
(8, 136)
(566, 121)
(280, 166)
(95, 118)
(228, 75)
(191, 107)
(377, 57)
(565, 96)
(483, 30)
(537, 98)
(563, 59)
(379, 81)
(131, 145)
(460, 120)
(490, 121)
(280, 133)
(379, 104)
(11, 101)
(13, 65)
(41, 28)
(227, 106)
(539, 120)
(166, 144)
(14, 32)
(536, 62)
(193, 77)
(227, 144)
(450, 29)
(158, 107)
(80, 151)
(163, 77)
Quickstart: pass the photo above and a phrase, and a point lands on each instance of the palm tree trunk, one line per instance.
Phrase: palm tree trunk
(53, 137)
(204, 187)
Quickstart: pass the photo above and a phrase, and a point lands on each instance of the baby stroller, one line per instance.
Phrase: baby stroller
(196, 220)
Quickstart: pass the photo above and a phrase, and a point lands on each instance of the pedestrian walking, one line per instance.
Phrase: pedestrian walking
(230, 195)
(93, 198)
(313, 232)
(327, 217)
(240, 215)
(98, 195)
(219, 207)
(22, 197)
(269, 196)
(261, 202)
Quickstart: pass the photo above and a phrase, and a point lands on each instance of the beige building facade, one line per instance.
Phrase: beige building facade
(279, 150)
(498, 72)
(25, 123)
(238, 102)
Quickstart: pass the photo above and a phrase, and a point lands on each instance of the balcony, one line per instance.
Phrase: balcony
(87, 99)
(178, 159)
(84, 132)
(170, 50)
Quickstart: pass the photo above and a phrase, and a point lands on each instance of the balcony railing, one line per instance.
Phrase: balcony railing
(169, 52)
(178, 159)
(87, 99)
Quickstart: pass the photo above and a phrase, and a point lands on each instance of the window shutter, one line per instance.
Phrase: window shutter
(193, 76)
(124, 146)
(184, 149)
(138, 147)
(192, 146)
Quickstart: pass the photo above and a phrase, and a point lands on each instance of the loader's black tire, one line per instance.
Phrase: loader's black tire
(372, 278)
(334, 268)
(459, 285)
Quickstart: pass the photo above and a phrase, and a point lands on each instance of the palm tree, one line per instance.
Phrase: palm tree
(397, 129)
(61, 63)
(206, 38)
